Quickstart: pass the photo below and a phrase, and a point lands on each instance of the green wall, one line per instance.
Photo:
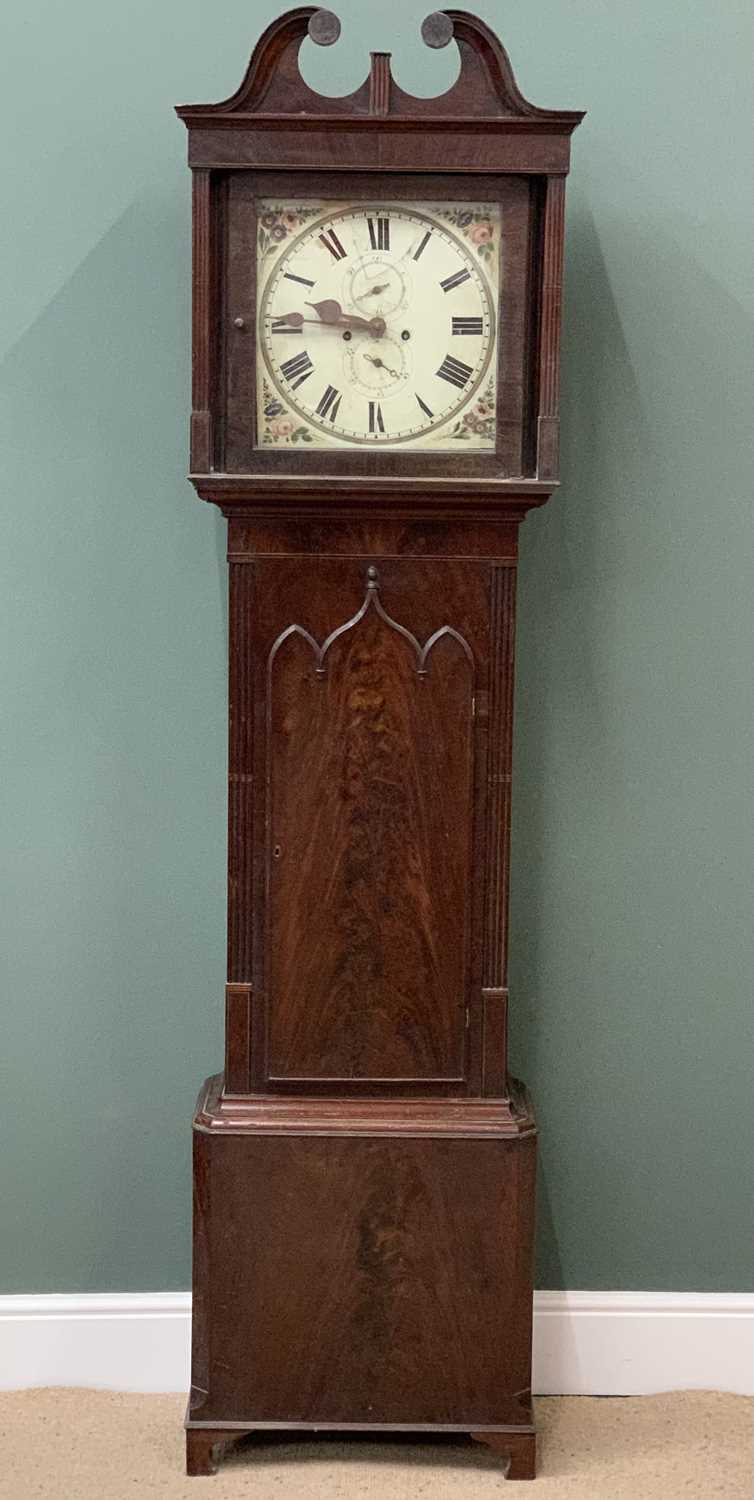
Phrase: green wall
(629, 923)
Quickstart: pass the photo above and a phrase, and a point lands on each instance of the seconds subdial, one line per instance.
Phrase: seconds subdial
(376, 366)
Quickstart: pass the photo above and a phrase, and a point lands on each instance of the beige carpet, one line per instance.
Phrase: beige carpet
(94, 1445)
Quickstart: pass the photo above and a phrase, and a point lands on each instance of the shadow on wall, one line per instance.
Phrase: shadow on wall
(112, 762)
(599, 566)
(555, 603)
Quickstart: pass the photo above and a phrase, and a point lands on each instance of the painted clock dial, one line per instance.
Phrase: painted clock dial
(377, 324)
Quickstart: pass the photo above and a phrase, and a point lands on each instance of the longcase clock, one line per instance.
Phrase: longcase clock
(376, 313)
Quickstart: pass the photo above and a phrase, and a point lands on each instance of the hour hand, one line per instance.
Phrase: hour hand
(290, 320)
(295, 320)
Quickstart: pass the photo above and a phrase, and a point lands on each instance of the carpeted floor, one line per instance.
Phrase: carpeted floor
(96, 1445)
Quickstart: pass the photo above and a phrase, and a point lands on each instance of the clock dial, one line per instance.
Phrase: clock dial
(377, 324)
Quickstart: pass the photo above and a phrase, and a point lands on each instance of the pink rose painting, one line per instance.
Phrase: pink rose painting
(282, 427)
(278, 426)
(285, 429)
(476, 225)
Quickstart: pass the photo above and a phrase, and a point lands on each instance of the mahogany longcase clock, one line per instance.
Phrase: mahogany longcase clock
(376, 313)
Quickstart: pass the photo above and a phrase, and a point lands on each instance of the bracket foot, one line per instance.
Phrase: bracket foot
(520, 1449)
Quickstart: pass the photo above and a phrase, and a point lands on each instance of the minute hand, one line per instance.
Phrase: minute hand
(331, 311)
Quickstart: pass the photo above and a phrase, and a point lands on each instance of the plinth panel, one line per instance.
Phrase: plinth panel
(362, 1280)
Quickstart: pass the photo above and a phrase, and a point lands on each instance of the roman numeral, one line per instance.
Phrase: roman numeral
(376, 423)
(455, 371)
(426, 409)
(457, 279)
(332, 243)
(423, 245)
(281, 325)
(379, 238)
(303, 280)
(297, 369)
(329, 402)
(467, 325)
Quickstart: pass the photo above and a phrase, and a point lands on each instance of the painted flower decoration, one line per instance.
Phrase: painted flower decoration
(476, 225)
(479, 420)
(277, 424)
(277, 222)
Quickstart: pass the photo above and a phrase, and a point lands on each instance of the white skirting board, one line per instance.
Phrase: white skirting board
(585, 1343)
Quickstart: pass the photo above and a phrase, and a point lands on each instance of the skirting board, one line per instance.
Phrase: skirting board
(585, 1343)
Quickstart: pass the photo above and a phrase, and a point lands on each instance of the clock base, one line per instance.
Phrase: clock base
(205, 1446)
(362, 1274)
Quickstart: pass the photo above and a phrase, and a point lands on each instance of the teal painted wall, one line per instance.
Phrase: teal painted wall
(631, 863)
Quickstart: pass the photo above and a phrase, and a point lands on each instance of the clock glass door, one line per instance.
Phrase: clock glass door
(377, 324)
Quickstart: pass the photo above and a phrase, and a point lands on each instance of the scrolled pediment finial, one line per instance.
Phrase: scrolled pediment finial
(437, 29)
(324, 28)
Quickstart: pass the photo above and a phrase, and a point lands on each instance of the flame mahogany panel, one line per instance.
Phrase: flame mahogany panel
(376, 1280)
(370, 786)
(369, 867)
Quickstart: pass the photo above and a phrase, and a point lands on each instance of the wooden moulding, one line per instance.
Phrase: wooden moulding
(499, 503)
(335, 492)
(493, 149)
(218, 1113)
